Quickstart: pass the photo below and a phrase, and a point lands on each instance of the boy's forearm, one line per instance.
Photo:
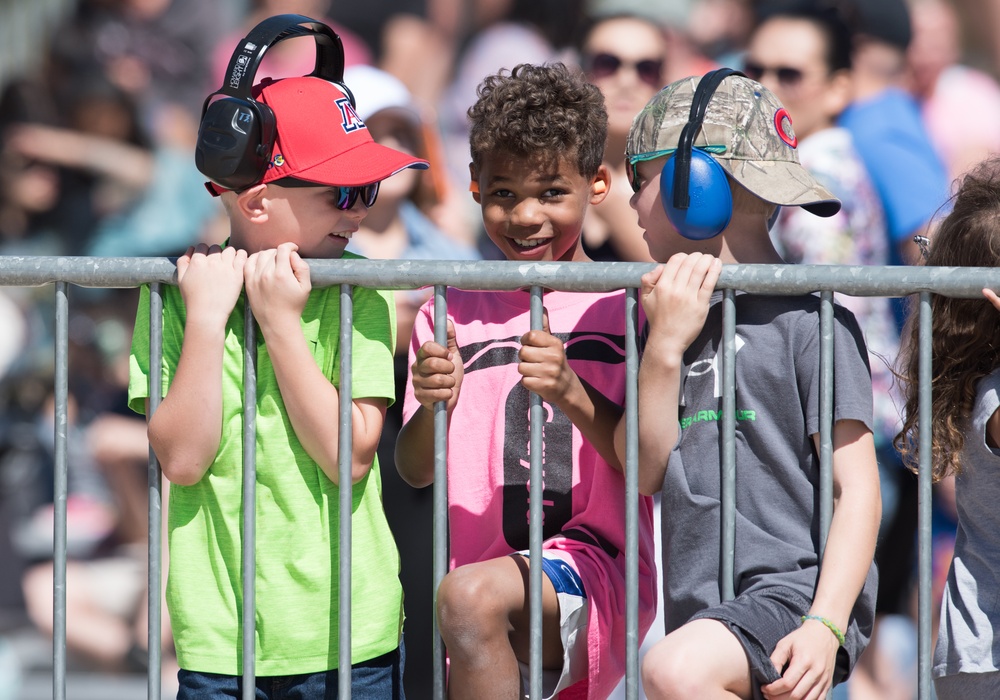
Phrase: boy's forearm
(186, 430)
(596, 417)
(312, 403)
(850, 546)
(415, 449)
(849, 552)
(659, 392)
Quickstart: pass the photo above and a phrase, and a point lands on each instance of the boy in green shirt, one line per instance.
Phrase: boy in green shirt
(323, 174)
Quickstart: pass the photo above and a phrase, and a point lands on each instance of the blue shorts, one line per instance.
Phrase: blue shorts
(380, 678)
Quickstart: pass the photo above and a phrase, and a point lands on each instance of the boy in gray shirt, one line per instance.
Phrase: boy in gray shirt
(791, 626)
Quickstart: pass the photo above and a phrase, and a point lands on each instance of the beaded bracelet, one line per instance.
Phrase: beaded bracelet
(830, 625)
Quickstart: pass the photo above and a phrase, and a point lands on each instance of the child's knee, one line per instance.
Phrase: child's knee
(669, 672)
(468, 604)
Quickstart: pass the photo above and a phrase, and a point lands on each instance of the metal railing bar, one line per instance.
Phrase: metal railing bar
(154, 482)
(440, 524)
(853, 280)
(924, 500)
(826, 360)
(345, 491)
(825, 419)
(632, 640)
(535, 513)
(60, 492)
(249, 572)
(727, 464)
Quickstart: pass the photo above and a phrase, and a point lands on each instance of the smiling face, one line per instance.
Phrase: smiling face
(306, 216)
(533, 207)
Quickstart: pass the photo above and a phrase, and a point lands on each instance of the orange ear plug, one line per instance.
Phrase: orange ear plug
(600, 187)
(474, 187)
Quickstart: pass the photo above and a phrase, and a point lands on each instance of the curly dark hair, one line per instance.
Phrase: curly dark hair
(546, 109)
(966, 333)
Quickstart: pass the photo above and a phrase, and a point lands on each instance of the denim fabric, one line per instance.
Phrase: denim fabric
(380, 678)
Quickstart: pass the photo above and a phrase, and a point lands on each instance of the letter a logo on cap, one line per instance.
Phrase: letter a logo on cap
(349, 118)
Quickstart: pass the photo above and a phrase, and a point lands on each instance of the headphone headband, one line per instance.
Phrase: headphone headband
(247, 56)
(685, 144)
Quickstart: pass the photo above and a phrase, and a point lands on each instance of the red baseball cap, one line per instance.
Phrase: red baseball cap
(321, 138)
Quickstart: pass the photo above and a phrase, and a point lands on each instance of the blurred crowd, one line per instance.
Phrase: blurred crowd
(97, 140)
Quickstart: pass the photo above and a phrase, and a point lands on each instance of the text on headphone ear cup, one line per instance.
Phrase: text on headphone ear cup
(711, 201)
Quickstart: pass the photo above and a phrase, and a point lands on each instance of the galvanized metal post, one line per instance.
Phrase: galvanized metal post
(346, 489)
(825, 423)
(249, 501)
(535, 515)
(154, 481)
(440, 524)
(631, 466)
(825, 419)
(727, 540)
(60, 492)
(924, 500)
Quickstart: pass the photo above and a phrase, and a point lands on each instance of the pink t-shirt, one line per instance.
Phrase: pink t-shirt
(488, 461)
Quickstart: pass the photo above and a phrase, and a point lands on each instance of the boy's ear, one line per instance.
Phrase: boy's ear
(601, 185)
(474, 183)
(252, 203)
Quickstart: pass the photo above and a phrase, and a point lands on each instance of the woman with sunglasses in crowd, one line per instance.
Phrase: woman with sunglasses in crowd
(803, 54)
(625, 57)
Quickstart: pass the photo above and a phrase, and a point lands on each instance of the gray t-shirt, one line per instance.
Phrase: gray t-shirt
(777, 469)
(970, 612)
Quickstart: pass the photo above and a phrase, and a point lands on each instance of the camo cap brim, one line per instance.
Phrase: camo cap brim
(746, 129)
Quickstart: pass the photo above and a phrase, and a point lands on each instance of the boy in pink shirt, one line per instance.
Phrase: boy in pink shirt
(537, 143)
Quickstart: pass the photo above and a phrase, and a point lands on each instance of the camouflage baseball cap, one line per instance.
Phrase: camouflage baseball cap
(747, 131)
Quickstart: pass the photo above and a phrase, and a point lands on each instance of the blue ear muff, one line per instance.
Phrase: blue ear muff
(694, 188)
(710, 201)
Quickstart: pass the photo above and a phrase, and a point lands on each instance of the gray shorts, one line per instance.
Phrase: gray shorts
(961, 686)
(760, 619)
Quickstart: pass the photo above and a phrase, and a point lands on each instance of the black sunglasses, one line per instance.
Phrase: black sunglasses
(347, 196)
(787, 77)
(604, 65)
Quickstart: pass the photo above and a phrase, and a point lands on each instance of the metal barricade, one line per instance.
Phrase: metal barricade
(502, 275)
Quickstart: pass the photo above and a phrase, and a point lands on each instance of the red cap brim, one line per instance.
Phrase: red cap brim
(362, 165)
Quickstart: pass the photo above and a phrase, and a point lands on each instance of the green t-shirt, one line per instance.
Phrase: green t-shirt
(297, 507)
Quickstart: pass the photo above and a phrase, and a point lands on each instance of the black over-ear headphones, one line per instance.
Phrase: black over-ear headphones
(694, 187)
(237, 133)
